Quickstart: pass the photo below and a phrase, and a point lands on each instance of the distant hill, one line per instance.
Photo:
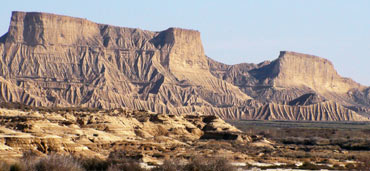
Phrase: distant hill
(54, 60)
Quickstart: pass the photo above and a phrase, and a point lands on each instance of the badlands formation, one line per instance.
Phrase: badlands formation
(53, 60)
(71, 86)
(142, 135)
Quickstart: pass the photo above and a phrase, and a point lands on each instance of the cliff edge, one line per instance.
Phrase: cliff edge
(55, 60)
(297, 69)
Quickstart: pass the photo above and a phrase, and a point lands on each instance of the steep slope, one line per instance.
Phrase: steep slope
(74, 62)
(292, 72)
(324, 111)
(307, 99)
(295, 79)
(54, 60)
(296, 69)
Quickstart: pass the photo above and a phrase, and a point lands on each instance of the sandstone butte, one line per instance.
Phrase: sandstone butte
(53, 60)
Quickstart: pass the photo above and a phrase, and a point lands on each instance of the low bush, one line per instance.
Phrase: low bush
(118, 161)
(197, 164)
(300, 141)
(128, 166)
(170, 165)
(94, 164)
(51, 162)
(54, 162)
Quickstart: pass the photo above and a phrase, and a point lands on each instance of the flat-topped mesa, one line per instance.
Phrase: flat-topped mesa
(34, 28)
(297, 69)
(186, 53)
(50, 60)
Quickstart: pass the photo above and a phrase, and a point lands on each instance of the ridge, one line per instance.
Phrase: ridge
(311, 71)
(34, 28)
(301, 55)
(55, 60)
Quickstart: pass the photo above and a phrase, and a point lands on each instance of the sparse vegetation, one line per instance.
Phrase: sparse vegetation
(117, 161)
(317, 143)
(94, 164)
(197, 164)
(53, 162)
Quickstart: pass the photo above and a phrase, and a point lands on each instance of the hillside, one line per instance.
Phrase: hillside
(54, 60)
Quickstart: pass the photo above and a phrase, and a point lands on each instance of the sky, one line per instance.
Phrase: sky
(238, 31)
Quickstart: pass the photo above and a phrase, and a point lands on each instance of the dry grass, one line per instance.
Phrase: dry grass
(54, 162)
(197, 164)
(118, 161)
(51, 162)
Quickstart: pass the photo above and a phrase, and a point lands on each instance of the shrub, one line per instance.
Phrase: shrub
(202, 164)
(56, 162)
(170, 165)
(126, 166)
(53, 162)
(212, 164)
(17, 167)
(119, 162)
(94, 164)
(197, 164)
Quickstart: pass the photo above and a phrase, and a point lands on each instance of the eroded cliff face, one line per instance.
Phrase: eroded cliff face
(296, 69)
(48, 29)
(186, 52)
(74, 62)
(53, 60)
(292, 81)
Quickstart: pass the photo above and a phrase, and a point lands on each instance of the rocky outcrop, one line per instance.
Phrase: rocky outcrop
(54, 60)
(296, 69)
(294, 80)
(142, 134)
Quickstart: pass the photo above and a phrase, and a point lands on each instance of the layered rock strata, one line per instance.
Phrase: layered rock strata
(151, 137)
(54, 60)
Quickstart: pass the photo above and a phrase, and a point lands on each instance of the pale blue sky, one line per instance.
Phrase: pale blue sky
(237, 31)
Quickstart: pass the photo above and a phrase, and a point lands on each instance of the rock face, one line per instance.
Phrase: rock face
(310, 71)
(53, 60)
(147, 136)
(296, 87)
